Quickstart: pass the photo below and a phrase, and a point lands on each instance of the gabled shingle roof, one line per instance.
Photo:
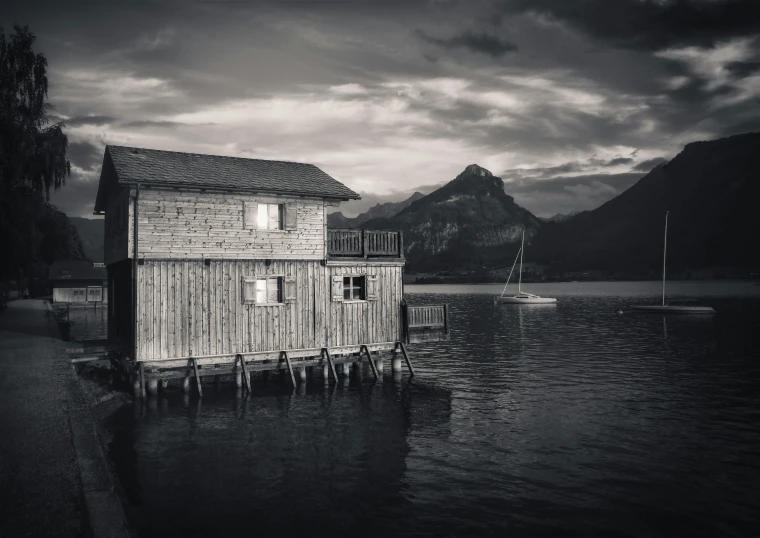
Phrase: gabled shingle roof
(177, 169)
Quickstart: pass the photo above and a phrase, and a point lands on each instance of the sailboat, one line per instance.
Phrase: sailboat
(522, 297)
(672, 307)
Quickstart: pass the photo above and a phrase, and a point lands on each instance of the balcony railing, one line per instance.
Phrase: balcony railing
(365, 243)
(425, 323)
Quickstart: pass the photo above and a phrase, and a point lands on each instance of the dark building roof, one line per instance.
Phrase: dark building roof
(177, 169)
(76, 270)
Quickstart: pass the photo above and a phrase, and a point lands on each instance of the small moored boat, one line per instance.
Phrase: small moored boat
(522, 297)
(675, 309)
(672, 307)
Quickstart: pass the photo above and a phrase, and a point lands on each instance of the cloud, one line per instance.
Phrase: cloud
(368, 199)
(618, 161)
(77, 197)
(548, 197)
(649, 164)
(648, 24)
(596, 88)
(93, 119)
(84, 155)
(475, 42)
(742, 69)
(154, 123)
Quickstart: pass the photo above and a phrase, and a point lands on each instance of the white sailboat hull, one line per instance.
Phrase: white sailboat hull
(518, 299)
(675, 309)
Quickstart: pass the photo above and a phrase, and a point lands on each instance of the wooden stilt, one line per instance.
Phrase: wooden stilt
(406, 357)
(197, 377)
(330, 363)
(152, 387)
(186, 383)
(142, 379)
(290, 368)
(364, 349)
(246, 377)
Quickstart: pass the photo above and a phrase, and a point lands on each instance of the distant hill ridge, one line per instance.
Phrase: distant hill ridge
(91, 233)
(388, 209)
(711, 189)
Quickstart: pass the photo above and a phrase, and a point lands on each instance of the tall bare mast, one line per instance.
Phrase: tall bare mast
(522, 248)
(664, 254)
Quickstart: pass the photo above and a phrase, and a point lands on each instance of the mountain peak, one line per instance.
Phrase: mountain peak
(475, 170)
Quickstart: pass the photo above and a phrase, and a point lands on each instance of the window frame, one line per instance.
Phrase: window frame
(368, 288)
(99, 290)
(286, 218)
(250, 299)
(350, 286)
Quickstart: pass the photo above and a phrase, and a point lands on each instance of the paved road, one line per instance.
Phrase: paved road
(40, 487)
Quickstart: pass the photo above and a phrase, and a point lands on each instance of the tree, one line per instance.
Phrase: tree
(32, 151)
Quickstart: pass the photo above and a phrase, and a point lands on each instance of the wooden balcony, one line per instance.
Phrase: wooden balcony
(348, 243)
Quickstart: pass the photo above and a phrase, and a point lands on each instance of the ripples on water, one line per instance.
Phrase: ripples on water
(535, 420)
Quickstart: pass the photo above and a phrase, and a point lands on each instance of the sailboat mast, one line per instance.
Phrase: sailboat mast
(664, 254)
(522, 248)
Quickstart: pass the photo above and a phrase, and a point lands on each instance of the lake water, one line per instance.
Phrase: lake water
(566, 419)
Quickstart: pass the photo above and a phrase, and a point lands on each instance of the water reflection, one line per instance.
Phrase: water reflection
(533, 421)
(326, 456)
(88, 322)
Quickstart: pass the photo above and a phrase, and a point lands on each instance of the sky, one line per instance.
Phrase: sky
(569, 101)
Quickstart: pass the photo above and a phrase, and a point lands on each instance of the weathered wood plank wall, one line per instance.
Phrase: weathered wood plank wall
(79, 294)
(366, 321)
(188, 308)
(178, 225)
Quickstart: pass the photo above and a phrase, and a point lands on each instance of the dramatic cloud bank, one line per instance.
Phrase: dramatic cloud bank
(569, 102)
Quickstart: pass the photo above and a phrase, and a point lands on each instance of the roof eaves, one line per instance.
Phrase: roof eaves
(196, 186)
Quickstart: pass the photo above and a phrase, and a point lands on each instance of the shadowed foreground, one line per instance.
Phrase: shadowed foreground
(40, 488)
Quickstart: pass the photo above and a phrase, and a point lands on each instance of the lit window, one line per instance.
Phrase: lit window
(353, 288)
(263, 290)
(269, 217)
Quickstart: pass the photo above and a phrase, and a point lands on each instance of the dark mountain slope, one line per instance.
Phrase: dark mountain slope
(91, 232)
(467, 223)
(710, 189)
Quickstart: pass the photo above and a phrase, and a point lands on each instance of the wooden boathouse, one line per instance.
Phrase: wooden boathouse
(78, 282)
(220, 265)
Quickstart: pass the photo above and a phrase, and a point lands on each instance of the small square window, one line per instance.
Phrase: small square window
(353, 288)
(266, 290)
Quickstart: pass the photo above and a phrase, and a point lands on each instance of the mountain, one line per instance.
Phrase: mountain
(560, 217)
(379, 211)
(711, 189)
(34, 234)
(467, 223)
(91, 232)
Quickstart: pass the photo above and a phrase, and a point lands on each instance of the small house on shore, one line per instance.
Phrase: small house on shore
(78, 282)
(216, 259)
